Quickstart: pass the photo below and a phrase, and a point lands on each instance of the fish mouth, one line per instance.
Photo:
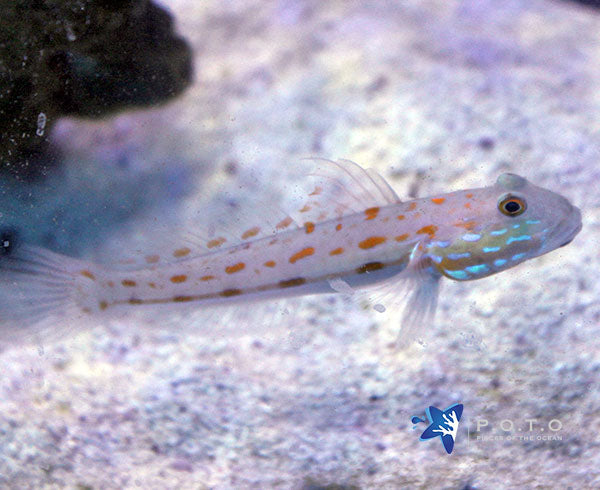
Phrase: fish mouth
(566, 243)
(574, 222)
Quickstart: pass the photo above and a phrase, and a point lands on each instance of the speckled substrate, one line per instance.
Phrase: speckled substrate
(437, 96)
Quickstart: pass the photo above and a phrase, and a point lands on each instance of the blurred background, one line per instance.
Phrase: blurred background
(118, 114)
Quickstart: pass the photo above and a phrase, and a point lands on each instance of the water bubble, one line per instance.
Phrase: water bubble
(70, 34)
(341, 286)
(41, 124)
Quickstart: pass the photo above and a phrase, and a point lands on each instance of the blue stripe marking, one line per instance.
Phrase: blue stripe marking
(471, 237)
(498, 232)
(518, 256)
(516, 225)
(464, 255)
(440, 244)
(477, 269)
(533, 221)
(458, 274)
(500, 262)
(519, 238)
(487, 250)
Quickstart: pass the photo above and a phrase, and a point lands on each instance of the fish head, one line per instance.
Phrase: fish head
(512, 221)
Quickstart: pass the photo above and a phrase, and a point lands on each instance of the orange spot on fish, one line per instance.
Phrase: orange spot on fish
(230, 269)
(305, 252)
(370, 267)
(217, 242)
(230, 292)
(128, 283)
(316, 192)
(468, 195)
(206, 278)
(468, 205)
(371, 213)
(309, 227)
(182, 299)
(401, 238)
(179, 278)
(305, 208)
(103, 305)
(468, 225)
(428, 230)
(412, 206)
(135, 301)
(152, 285)
(338, 227)
(88, 274)
(250, 233)
(337, 251)
(400, 217)
(269, 263)
(152, 259)
(438, 200)
(296, 281)
(181, 252)
(284, 223)
(371, 242)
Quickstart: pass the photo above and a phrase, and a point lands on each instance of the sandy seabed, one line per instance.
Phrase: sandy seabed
(435, 95)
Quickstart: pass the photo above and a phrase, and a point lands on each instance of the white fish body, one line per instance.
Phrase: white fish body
(368, 237)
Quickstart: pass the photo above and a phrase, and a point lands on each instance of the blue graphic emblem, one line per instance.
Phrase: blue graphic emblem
(441, 423)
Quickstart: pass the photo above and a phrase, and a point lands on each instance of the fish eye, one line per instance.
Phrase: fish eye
(511, 205)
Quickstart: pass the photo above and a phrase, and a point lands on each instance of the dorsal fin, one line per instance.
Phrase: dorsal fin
(372, 184)
(339, 188)
(328, 189)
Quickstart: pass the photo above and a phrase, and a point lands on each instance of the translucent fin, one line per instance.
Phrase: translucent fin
(316, 190)
(373, 189)
(414, 291)
(384, 188)
(339, 188)
(419, 311)
(41, 295)
(159, 240)
(290, 324)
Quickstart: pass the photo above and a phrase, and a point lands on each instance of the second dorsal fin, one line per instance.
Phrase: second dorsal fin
(325, 189)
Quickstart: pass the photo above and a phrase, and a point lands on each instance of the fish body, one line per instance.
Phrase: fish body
(462, 235)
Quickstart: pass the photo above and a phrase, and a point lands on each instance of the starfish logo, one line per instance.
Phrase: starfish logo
(443, 423)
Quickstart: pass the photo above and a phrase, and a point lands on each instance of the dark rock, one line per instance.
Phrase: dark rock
(589, 3)
(80, 57)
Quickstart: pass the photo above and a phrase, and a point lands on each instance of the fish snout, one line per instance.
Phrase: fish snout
(570, 226)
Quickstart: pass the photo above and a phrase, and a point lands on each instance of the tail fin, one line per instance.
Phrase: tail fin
(41, 295)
